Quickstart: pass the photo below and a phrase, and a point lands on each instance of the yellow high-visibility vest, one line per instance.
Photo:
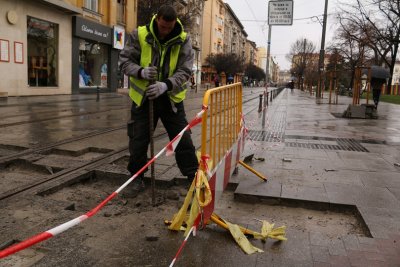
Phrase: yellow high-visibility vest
(139, 86)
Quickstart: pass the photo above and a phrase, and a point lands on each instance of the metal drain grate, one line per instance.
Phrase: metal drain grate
(342, 144)
(266, 136)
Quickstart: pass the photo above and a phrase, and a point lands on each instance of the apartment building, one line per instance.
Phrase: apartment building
(234, 34)
(262, 57)
(194, 9)
(251, 53)
(212, 35)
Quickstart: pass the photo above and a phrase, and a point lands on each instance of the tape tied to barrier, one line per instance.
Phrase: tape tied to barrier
(239, 233)
(199, 196)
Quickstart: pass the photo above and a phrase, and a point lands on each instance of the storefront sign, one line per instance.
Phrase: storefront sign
(119, 37)
(92, 31)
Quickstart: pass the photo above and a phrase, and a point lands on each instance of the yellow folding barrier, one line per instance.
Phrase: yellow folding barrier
(221, 122)
(223, 135)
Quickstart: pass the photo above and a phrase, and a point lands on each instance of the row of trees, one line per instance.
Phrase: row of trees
(368, 34)
(233, 64)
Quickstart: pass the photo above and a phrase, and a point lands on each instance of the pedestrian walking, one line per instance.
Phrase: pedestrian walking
(230, 79)
(376, 85)
(291, 85)
(158, 58)
(216, 80)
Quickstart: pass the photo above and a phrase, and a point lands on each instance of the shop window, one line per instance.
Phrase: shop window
(92, 64)
(92, 5)
(42, 52)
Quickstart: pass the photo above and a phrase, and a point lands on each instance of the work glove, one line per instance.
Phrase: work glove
(149, 73)
(156, 89)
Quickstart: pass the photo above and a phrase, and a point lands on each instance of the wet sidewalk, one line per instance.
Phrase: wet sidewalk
(316, 159)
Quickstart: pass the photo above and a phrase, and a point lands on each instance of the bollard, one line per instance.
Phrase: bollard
(260, 103)
(266, 98)
(271, 96)
(98, 94)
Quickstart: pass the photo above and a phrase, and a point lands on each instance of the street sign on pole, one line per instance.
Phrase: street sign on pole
(280, 12)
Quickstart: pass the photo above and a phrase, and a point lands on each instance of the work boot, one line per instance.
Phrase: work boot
(135, 187)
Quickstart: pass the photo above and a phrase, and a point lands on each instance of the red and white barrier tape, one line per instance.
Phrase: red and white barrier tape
(181, 247)
(218, 179)
(65, 226)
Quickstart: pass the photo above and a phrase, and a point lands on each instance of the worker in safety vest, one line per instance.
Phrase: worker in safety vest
(158, 58)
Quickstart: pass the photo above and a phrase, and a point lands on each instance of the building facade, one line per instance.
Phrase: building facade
(98, 35)
(396, 73)
(212, 35)
(262, 57)
(36, 47)
(234, 34)
(195, 9)
(251, 53)
(53, 47)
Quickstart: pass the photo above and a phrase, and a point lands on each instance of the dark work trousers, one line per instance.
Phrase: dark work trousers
(375, 96)
(174, 121)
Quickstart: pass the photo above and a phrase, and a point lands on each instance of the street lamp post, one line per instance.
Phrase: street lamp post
(268, 55)
(321, 65)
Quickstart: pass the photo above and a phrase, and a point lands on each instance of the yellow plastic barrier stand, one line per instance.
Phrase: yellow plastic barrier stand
(201, 198)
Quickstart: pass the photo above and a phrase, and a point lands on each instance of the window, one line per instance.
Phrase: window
(121, 7)
(92, 5)
(92, 64)
(42, 52)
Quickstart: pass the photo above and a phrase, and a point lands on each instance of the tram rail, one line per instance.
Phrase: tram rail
(32, 186)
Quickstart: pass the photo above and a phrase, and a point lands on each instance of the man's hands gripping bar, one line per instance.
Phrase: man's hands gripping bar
(149, 73)
(156, 89)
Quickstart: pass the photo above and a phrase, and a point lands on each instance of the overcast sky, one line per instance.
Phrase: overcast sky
(254, 13)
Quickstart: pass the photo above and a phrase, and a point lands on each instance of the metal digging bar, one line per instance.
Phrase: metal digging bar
(151, 133)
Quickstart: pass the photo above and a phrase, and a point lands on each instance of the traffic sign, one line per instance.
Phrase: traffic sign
(280, 12)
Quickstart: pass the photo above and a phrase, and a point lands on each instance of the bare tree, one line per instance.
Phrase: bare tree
(351, 43)
(379, 20)
(301, 55)
(338, 67)
(187, 10)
